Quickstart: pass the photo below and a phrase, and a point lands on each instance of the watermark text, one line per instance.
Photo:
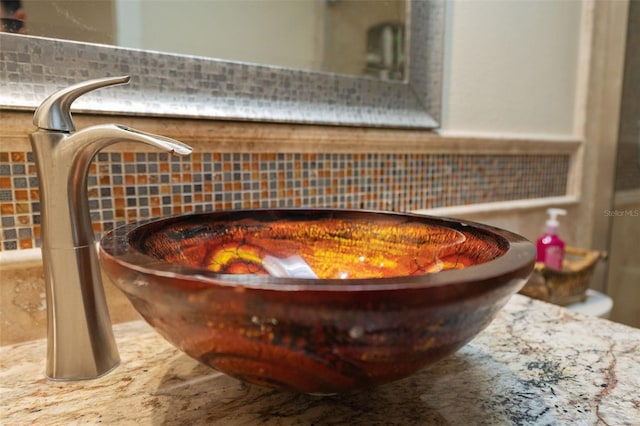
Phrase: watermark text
(622, 213)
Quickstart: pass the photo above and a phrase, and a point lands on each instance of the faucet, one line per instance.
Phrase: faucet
(80, 341)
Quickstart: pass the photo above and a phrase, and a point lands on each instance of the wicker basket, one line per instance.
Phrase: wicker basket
(568, 285)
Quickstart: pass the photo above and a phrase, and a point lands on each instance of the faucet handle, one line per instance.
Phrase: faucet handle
(54, 113)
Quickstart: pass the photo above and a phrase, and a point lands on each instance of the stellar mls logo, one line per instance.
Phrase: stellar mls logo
(622, 213)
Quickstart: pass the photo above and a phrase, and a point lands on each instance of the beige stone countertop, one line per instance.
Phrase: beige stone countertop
(536, 364)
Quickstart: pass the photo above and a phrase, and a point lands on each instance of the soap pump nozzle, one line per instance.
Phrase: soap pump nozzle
(552, 222)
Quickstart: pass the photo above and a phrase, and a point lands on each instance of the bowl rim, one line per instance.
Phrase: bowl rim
(518, 259)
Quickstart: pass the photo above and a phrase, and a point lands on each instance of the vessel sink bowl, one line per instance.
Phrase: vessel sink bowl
(316, 301)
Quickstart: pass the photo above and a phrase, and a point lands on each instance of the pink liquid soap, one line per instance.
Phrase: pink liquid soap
(550, 246)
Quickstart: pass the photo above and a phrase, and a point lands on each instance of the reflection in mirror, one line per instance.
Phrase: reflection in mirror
(12, 17)
(358, 37)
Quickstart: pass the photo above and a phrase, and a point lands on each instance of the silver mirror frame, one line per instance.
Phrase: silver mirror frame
(171, 85)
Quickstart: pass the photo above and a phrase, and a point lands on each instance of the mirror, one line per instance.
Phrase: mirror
(360, 37)
(384, 71)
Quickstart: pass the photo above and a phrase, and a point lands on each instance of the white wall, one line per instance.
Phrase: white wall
(511, 66)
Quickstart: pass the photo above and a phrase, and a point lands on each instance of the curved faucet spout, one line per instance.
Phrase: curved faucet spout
(104, 135)
(81, 344)
(83, 146)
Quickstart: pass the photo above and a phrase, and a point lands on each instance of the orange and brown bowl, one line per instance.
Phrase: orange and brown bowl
(394, 292)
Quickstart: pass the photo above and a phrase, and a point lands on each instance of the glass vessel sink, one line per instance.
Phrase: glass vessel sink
(316, 301)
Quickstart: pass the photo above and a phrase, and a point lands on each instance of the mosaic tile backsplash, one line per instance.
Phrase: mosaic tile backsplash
(128, 186)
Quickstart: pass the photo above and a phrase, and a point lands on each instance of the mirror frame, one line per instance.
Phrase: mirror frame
(172, 85)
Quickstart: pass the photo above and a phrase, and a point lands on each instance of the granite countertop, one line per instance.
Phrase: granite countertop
(535, 364)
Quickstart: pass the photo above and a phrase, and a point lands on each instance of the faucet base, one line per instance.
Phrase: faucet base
(53, 378)
(81, 344)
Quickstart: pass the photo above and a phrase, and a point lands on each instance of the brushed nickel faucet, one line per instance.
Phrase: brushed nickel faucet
(80, 341)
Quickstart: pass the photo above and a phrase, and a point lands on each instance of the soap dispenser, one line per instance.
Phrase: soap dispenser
(550, 247)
